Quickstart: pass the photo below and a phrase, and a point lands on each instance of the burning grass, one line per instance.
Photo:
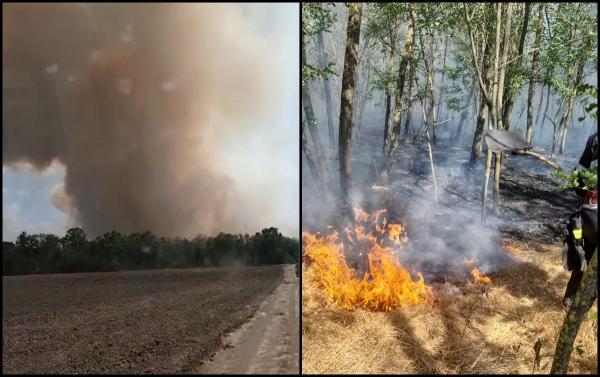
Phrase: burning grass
(385, 285)
(472, 329)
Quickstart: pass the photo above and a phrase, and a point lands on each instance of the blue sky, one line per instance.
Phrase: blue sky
(272, 151)
(27, 204)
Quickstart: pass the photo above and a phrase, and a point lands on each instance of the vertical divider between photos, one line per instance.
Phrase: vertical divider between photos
(299, 265)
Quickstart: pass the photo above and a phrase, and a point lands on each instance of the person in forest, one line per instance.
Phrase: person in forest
(582, 226)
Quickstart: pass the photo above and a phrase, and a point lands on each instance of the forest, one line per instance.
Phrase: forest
(442, 157)
(113, 251)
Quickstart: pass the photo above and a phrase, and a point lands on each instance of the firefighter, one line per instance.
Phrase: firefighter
(582, 226)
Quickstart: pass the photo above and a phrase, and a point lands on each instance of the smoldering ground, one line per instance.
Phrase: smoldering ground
(159, 114)
(442, 235)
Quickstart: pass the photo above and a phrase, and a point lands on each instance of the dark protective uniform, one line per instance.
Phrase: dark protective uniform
(582, 228)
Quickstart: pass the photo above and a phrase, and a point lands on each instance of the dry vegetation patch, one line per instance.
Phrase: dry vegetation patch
(473, 329)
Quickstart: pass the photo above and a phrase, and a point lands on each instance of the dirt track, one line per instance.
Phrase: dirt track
(162, 321)
(268, 343)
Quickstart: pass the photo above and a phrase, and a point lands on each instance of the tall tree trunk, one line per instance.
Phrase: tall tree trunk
(537, 115)
(534, 68)
(494, 109)
(388, 99)
(501, 81)
(405, 59)
(457, 132)
(545, 110)
(429, 70)
(502, 73)
(327, 88)
(486, 174)
(564, 124)
(510, 97)
(439, 101)
(583, 300)
(312, 164)
(409, 103)
(426, 121)
(476, 148)
(311, 121)
(345, 125)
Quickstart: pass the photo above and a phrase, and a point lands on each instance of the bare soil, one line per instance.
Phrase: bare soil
(159, 321)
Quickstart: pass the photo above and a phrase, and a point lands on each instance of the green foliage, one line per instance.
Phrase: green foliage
(316, 17)
(310, 72)
(567, 40)
(586, 179)
(591, 93)
(453, 103)
(47, 253)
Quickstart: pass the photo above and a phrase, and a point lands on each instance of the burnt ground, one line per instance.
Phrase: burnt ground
(529, 212)
(469, 328)
(160, 321)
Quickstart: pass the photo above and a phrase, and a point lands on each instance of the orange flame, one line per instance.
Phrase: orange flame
(512, 249)
(478, 276)
(385, 286)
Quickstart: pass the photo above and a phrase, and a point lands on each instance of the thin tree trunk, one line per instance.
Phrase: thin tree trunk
(494, 110)
(388, 99)
(426, 121)
(327, 88)
(345, 125)
(429, 70)
(510, 97)
(583, 300)
(476, 147)
(545, 111)
(501, 81)
(311, 121)
(488, 166)
(312, 164)
(439, 101)
(456, 134)
(564, 124)
(405, 59)
(409, 103)
(480, 76)
(534, 68)
(486, 174)
(537, 116)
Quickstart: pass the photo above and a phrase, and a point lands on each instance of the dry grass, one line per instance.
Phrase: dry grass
(483, 329)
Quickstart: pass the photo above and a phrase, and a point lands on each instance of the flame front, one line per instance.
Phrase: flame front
(478, 276)
(385, 286)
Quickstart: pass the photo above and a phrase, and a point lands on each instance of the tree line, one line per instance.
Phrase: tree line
(113, 251)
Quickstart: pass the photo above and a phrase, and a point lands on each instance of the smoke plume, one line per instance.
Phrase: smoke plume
(144, 105)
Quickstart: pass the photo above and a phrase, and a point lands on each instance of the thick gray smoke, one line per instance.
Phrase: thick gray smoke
(145, 106)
